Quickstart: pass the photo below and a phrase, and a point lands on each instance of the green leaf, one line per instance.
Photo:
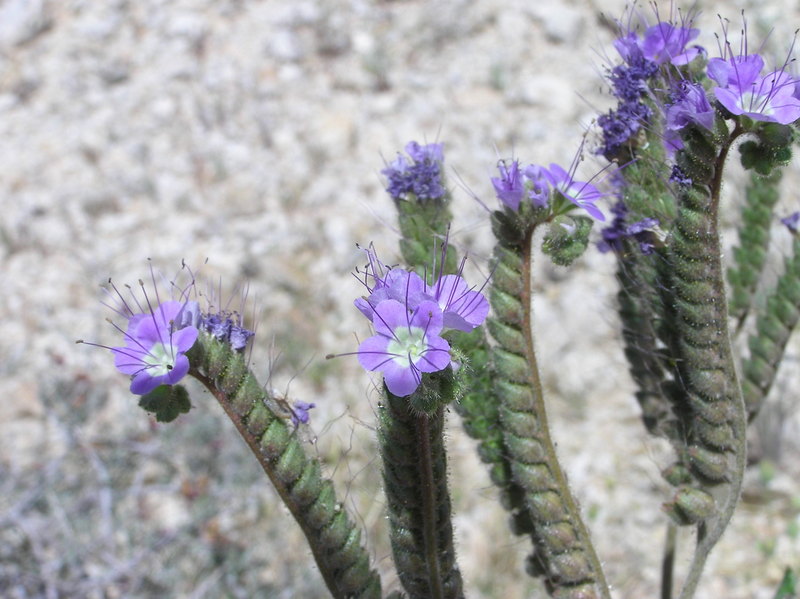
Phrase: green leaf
(789, 586)
(167, 402)
(567, 238)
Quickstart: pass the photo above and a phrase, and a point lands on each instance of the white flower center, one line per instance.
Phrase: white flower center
(408, 346)
(159, 360)
(752, 102)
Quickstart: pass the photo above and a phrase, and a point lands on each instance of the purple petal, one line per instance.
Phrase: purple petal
(436, 357)
(143, 383)
(401, 381)
(372, 354)
(463, 309)
(389, 314)
(428, 316)
(129, 360)
(180, 367)
(184, 339)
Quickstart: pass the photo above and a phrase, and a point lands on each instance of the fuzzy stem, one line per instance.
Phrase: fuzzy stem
(334, 540)
(714, 393)
(428, 489)
(563, 546)
(668, 561)
(415, 482)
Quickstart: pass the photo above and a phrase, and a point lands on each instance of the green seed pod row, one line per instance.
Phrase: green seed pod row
(334, 539)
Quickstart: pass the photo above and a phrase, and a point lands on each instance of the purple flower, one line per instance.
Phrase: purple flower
(406, 345)
(514, 184)
(581, 193)
(509, 186)
(432, 152)
(641, 231)
(463, 309)
(678, 177)
(620, 125)
(691, 106)
(155, 346)
(420, 177)
(300, 412)
(227, 327)
(743, 91)
(537, 185)
(665, 42)
(792, 221)
(398, 284)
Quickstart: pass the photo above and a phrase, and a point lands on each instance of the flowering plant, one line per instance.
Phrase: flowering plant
(440, 342)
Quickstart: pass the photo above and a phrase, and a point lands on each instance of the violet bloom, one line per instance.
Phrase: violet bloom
(743, 91)
(155, 346)
(227, 327)
(421, 177)
(665, 42)
(678, 177)
(463, 309)
(398, 284)
(792, 221)
(406, 345)
(621, 125)
(537, 185)
(641, 231)
(509, 186)
(300, 412)
(581, 193)
(691, 106)
(432, 152)
(662, 43)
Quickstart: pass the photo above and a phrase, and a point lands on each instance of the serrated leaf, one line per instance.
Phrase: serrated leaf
(167, 402)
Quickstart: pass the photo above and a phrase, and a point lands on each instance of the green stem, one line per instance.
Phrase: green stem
(564, 554)
(417, 500)
(713, 390)
(544, 433)
(428, 489)
(668, 562)
(334, 540)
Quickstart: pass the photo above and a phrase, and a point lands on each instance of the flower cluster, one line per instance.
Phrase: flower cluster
(409, 317)
(418, 176)
(663, 43)
(792, 222)
(158, 334)
(155, 347)
(227, 327)
(641, 231)
(743, 90)
(539, 185)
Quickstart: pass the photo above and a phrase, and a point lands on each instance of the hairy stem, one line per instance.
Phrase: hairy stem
(564, 553)
(716, 443)
(334, 540)
(668, 561)
(428, 489)
(415, 481)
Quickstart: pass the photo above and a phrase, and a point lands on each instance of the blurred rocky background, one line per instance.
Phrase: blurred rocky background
(246, 138)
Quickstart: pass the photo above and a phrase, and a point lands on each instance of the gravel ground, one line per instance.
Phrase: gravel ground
(246, 138)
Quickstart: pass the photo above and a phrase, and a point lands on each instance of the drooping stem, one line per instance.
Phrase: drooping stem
(334, 540)
(563, 550)
(716, 443)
